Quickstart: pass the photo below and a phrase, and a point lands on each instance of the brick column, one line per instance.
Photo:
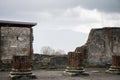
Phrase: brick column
(75, 63)
(115, 67)
(21, 67)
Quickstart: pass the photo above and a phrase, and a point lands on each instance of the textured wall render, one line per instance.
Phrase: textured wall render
(102, 43)
(15, 40)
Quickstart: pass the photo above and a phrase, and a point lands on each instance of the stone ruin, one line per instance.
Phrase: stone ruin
(21, 68)
(115, 67)
(75, 64)
(101, 49)
(43, 61)
(16, 46)
(102, 43)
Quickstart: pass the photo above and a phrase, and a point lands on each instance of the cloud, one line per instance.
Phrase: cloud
(40, 5)
(109, 6)
(83, 14)
(80, 19)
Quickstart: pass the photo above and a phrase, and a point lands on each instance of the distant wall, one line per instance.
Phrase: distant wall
(41, 61)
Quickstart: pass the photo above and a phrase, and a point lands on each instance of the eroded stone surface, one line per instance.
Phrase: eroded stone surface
(102, 43)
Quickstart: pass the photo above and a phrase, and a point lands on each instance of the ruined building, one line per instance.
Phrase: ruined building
(102, 43)
(15, 39)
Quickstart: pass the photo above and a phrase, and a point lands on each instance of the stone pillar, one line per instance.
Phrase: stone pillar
(0, 65)
(75, 64)
(115, 67)
(21, 67)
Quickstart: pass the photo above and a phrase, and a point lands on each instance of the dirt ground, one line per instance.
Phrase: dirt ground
(94, 74)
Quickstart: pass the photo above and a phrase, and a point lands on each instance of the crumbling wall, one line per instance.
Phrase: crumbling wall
(102, 43)
(41, 61)
(83, 49)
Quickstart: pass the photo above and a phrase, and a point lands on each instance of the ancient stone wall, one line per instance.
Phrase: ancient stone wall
(102, 43)
(16, 48)
(83, 49)
(41, 61)
(15, 41)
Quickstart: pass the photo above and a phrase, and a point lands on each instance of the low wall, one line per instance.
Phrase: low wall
(41, 61)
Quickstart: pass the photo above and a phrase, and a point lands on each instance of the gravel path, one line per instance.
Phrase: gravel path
(94, 74)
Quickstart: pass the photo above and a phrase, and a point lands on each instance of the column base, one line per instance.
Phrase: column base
(15, 75)
(75, 71)
(114, 70)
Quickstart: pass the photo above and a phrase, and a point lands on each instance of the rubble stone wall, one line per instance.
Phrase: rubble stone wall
(102, 43)
(14, 40)
(41, 61)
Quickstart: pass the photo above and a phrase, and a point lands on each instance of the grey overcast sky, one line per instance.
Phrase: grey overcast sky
(62, 24)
